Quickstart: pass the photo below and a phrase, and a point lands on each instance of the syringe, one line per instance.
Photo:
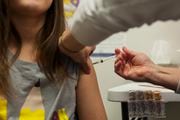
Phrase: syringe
(103, 60)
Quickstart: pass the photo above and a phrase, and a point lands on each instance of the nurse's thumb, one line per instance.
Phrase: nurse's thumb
(86, 67)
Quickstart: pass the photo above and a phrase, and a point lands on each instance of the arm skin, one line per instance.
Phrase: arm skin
(139, 67)
(89, 102)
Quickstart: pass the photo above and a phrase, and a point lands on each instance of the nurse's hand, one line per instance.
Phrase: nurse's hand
(132, 65)
(82, 57)
(78, 52)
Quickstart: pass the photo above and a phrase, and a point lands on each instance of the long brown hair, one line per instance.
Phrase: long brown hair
(4, 33)
(49, 58)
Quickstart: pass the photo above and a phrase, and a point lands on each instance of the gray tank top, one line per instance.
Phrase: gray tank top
(24, 76)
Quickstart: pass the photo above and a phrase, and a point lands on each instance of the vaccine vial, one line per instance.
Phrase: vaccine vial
(159, 111)
(149, 104)
(140, 105)
(132, 104)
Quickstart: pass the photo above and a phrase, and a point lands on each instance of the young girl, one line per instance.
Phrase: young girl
(37, 82)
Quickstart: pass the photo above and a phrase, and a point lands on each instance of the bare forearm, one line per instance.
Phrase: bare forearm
(164, 76)
(89, 102)
(68, 41)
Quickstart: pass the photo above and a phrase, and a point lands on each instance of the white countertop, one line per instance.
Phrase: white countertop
(120, 93)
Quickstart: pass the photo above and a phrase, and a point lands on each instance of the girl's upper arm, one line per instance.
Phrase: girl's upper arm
(89, 101)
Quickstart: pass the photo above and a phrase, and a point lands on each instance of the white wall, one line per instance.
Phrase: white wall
(140, 39)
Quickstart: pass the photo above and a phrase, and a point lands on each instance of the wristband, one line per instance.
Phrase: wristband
(65, 48)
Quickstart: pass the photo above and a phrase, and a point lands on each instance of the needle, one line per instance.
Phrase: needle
(103, 60)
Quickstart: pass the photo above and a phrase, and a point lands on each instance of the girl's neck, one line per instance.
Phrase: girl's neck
(28, 27)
